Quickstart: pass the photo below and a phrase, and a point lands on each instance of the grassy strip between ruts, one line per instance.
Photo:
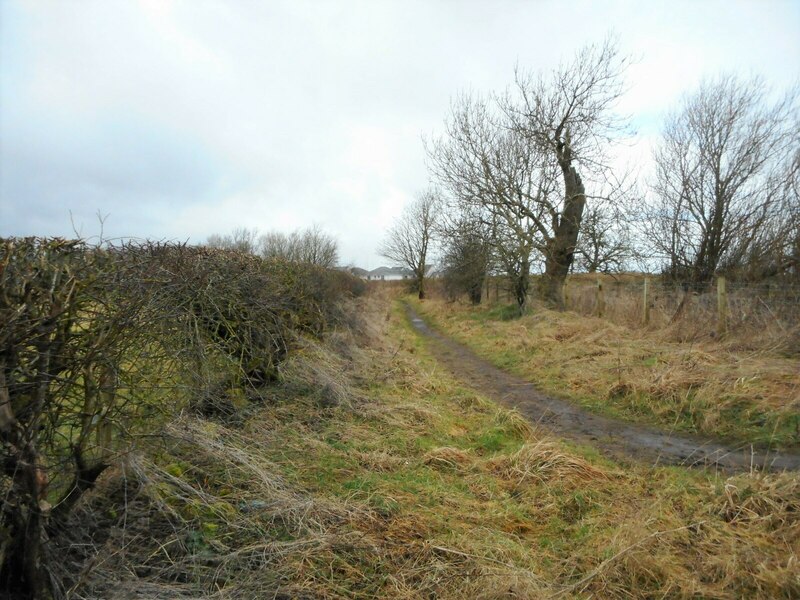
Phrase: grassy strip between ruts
(378, 475)
(708, 387)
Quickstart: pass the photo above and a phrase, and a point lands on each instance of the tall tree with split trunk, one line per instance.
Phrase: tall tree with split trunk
(408, 242)
(568, 116)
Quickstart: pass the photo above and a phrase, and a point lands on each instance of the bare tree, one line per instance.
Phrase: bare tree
(790, 254)
(604, 244)
(311, 246)
(723, 171)
(466, 257)
(276, 244)
(242, 240)
(516, 159)
(408, 242)
(498, 178)
(568, 116)
(316, 247)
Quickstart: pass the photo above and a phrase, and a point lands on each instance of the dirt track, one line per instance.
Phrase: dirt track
(621, 439)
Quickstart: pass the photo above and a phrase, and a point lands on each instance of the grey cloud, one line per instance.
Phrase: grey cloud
(189, 118)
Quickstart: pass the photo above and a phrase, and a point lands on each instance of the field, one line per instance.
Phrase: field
(288, 432)
(724, 388)
(373, 473)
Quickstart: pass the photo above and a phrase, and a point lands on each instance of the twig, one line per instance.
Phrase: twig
(486, 558)
(582, 583)
(772, 314)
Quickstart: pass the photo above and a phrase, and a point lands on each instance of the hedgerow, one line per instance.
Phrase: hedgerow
(101, 345)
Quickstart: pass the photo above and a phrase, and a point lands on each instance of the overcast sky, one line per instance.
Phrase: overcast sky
(182, 119)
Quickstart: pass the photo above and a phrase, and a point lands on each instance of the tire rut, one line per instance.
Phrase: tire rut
(620, 439)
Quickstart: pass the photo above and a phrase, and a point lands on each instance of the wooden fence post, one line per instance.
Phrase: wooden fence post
(601, 299)
(722, 307)
(645, 305)
(564, 294)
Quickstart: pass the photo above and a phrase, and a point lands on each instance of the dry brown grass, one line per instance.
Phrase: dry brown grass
(702, 386)
(414, 487)
(542, 461)
(773, 500)
(447, 458)
(761, 317)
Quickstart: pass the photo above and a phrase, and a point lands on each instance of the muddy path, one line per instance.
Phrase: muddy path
(620, 439)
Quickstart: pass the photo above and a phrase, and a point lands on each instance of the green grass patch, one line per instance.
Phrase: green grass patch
(634, 375)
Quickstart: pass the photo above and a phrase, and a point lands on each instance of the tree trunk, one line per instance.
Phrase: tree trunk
(475, 293)
(521, 283)
(561, 249)
(22, 570)
(550, 288)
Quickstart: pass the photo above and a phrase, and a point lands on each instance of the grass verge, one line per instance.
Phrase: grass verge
(637, 375)
(370, 472)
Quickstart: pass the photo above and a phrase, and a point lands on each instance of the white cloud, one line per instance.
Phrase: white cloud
(185, 118)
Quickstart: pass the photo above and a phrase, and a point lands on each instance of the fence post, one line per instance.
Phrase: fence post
(601, 299)
(645, 305)
(722, 307)
(564, 295)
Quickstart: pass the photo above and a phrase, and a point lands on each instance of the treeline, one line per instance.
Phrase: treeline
(530, 181)
(311, 245)
(100, 345)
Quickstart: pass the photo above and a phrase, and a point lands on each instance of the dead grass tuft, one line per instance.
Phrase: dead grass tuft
(513, 422)
(543, 461)
(447, 458)
(379, 462)
(774, 500)
(318, 372)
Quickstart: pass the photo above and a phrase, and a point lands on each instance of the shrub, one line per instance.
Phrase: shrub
(99, 344)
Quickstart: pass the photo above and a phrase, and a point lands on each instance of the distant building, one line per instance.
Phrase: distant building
(387, 273)
(390, 274)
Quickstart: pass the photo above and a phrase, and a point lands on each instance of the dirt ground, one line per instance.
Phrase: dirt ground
(620, 439)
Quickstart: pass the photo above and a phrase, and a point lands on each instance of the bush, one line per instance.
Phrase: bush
(100, 344)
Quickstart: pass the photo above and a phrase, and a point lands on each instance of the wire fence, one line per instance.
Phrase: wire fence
(768, 312)
(721, 361)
